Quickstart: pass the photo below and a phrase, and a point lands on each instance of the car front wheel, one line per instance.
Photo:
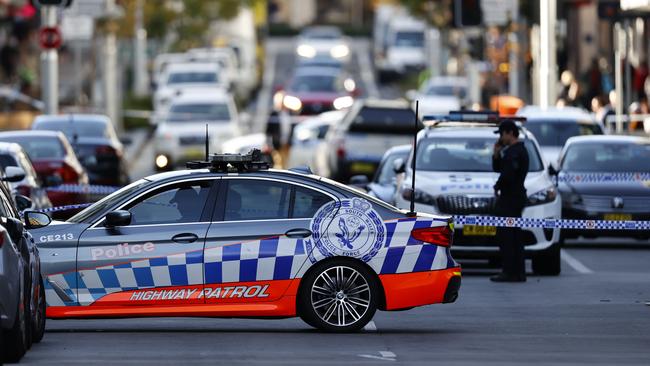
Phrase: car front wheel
(38, 325)
(339, 296)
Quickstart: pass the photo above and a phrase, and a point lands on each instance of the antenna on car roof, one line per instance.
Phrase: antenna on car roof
(412, 212)
(207, 144)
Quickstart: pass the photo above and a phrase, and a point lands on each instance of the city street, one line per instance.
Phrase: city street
(594, 313)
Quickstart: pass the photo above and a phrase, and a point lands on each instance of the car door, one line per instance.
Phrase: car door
(255, 245)
(155, 260)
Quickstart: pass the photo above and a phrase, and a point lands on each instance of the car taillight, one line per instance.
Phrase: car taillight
(24, 190)
(439, 235)
(67, 174)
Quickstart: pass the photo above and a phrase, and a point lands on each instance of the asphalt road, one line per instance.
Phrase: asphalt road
(599, 317)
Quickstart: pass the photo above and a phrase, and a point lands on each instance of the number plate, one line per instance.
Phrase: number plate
(364, 168)
(618, 217)
(473, 230)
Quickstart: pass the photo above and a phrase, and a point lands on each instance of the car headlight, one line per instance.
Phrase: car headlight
(420, 196)
(292, 103)
(305, 50)
(544, 196)
(339, 51)
(343, 102)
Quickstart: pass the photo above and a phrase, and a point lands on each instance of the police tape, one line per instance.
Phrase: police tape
(643, 177)
(83, 188)
(524, 222)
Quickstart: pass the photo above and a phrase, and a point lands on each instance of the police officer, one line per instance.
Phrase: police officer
(510, 159)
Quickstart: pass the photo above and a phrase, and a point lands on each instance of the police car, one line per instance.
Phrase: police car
(232, 238)
(454, 176)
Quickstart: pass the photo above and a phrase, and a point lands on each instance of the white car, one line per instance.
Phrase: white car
(309, 135)
(454, 176)
(179, 77)
(323, 42)
(440, 95)
(553, 126)
(180, 137)
(405, 47)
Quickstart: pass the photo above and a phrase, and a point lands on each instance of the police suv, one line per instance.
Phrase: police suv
(454, 176)
(232, 238)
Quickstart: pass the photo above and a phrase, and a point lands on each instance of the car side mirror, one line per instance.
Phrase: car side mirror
(399, 166)
(13, 174)
(359, 181)
(22, 202)
(118, 218)
(36, 220)
(53, 181)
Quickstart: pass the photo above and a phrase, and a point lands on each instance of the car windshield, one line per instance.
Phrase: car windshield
(409, 39)
(554, 133)
(386, 174)
(465, 155)
(192, 77)
(7, 160)
(199, 112)
(108, 201)
(446, 90)
(314, 83)
(607, 157)
(39, 147)
(76, 127)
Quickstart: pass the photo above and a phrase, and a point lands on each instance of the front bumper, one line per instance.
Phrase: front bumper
(585, 214)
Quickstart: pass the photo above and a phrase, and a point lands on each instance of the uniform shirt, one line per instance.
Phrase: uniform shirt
(512, 163)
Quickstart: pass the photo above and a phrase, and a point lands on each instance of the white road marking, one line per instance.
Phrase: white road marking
(365, 66)
(574, 263)
(370, 327)
(385, 356)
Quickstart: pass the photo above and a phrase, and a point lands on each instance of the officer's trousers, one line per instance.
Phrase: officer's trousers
(510, 240)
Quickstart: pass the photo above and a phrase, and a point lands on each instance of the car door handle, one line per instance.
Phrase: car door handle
(185, 238)
(298, 233)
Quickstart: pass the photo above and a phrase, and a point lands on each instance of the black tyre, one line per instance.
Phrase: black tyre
(340, 295)
(15, 340)
(38, 323)
(547, 263)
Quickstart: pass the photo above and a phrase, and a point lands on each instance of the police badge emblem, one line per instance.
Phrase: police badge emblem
(350, 228)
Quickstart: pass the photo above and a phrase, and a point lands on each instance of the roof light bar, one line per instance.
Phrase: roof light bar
(491, 117)
(230, 163)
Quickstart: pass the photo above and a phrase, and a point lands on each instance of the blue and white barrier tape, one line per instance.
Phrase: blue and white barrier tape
(604, 177)
(523, 222)
(89, 189)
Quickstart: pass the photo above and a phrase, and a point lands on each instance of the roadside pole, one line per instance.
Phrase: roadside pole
(140, 74)
(49, 65)
(548, 63)
(619, 49)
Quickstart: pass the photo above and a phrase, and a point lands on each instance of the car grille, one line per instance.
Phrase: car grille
(604, 203)
(464, 205)
(191, 140)
(316, 108)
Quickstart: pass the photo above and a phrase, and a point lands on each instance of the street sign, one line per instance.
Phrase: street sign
(50, 38)
(91, 8)
(77, 28)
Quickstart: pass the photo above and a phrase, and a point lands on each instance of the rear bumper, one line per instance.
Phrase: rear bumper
(407, 290)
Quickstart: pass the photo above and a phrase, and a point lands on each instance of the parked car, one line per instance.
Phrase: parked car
(188, 75)
(55, 163)
(553, 126)
(441, 95)
(454, 176)
(22, 292)
(604, 199)
(31, 186)
(371, 127)
(181, 136)
(95, 142)
(384, 183)
(322, 41)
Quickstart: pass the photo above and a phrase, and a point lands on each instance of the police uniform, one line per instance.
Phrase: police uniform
(512, 164)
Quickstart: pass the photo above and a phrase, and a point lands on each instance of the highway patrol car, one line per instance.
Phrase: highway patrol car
(454, 176)
(232, 238)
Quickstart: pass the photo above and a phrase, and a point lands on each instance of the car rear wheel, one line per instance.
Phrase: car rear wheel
(38, 326)
(547, 263)
(16, 341)
(339, 296)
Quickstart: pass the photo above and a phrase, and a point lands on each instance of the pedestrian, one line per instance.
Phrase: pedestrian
(510, 159)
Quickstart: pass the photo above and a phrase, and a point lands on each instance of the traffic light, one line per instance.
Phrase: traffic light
(467, 13)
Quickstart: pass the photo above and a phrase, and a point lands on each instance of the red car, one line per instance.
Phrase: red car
(55, 163)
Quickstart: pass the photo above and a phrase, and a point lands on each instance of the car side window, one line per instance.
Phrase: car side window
(307, 201)
(256, 200)
(174, 204)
